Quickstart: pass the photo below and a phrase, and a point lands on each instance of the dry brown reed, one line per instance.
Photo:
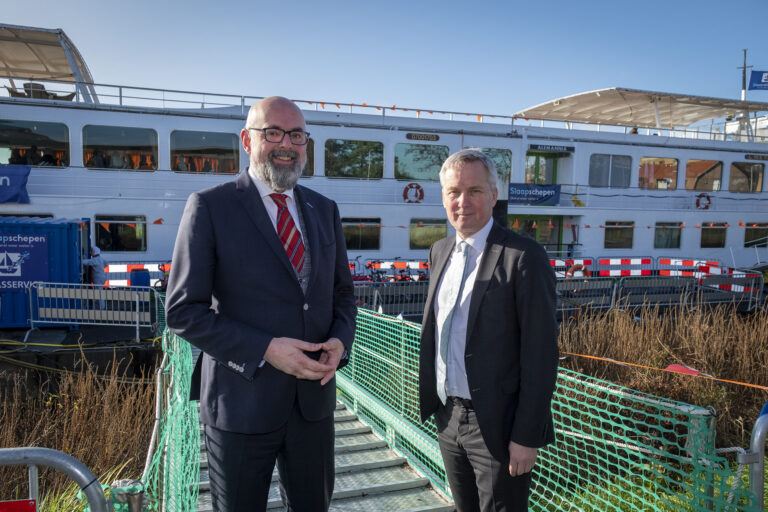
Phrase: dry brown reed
(717, 341)
(104, 420)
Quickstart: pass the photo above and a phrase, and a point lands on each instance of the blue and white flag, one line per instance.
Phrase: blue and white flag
(13, 183)
(758, 80)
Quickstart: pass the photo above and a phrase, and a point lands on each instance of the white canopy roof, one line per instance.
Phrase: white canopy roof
(629, 107)
(38, 53)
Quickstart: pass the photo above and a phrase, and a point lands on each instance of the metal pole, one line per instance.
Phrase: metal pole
(757, 446)
(34, 490)
(138, 316)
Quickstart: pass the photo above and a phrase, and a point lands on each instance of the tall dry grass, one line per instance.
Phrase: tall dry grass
(717, 341)
(105, 421)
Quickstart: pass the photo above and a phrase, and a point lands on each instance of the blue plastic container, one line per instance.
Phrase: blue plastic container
(35, 249)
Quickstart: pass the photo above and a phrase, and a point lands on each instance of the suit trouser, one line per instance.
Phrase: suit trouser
(478, 481)
(241, 465)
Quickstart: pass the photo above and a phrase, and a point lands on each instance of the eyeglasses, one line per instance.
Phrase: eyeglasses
(297, 137)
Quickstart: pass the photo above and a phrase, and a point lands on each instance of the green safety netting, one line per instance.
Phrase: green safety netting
(616, 449)
(171, 482)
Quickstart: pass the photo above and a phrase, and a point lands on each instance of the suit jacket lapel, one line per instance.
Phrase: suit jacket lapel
(311, 237)
(491, 253)
(440, 255)
(251, 200)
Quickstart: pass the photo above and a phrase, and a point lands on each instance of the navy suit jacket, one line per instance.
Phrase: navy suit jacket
(232, 289)
(511, 353)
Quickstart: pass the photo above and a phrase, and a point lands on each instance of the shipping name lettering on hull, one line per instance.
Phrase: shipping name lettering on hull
(23, 259)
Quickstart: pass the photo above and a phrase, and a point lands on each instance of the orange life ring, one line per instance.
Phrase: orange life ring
(575, 268)
(703, 201)
(413, 193)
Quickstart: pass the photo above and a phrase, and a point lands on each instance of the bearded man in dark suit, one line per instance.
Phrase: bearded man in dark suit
(488, 345)
(260, 283)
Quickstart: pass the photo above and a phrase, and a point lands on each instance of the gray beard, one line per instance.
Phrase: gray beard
(278, 177)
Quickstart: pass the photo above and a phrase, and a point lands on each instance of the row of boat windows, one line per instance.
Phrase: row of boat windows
(129, 233)
(114, 147)
(667, 235)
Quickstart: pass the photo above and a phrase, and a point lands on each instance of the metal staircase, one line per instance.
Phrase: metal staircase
(370, 476)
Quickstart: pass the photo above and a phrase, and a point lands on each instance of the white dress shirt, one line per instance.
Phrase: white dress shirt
(456, 373)
(271, 207)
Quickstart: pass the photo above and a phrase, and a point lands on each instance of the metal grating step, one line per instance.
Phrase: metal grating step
(370, 477)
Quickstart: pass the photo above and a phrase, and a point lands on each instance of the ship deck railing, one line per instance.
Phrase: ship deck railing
(233, 105)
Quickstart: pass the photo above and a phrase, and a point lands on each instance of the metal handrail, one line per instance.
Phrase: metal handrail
(756, 456)
(73, 468)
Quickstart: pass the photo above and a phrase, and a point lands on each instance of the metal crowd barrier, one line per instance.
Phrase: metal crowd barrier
(577, 293)
(73, 304)
(33, 457)
(404, 298)
(661, 291)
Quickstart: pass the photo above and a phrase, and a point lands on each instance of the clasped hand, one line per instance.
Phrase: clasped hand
(288, 355)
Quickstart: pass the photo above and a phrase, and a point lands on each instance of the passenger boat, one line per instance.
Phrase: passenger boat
(616, 173)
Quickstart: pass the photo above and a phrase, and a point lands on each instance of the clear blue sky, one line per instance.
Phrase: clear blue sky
(494, 57)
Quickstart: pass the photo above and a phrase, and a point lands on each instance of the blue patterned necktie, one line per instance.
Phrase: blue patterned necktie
(445, 330)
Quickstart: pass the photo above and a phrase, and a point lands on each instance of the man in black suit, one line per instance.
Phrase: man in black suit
(260, 283)
(488, 345)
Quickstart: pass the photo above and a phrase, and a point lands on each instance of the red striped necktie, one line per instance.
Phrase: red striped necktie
(288, 233)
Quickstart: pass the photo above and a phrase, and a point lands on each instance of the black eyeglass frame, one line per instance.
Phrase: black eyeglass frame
(285, 132)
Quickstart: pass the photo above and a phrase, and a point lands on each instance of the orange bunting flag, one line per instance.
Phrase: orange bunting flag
(567, 226)
(158, 221)
(322, 105)
(697, 226)
(338, 106)
(587, 226)
(727, 225)
(515, 225)
(551, 226)
(741, 224)
(394, 107)
(601, 226)
(418, 113)
(377, 108)
(682, 224)
(479, 117)
(431, 112)
(534, 225)
(662, 227)
(309, 102)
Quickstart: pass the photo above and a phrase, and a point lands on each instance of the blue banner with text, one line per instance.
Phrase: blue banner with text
(13, 183)
(524, 193)
(758, 80)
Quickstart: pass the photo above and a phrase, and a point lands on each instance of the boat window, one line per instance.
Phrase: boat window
(713, 235)
(361, 234)
(420, 162)
(703, 175)
(746, 177)
(33, 215)
(34, 143)
(360, 159)
(667, 235)
(609, 170)
(119, 147)
(540, 169)
(205, 152)
(502, 159)
(658, 173)
(120, 232)
(425, 232)
(618, 234)
(756, 234)
(309, 169)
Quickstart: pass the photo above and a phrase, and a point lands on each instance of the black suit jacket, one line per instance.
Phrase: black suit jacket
(232, 289)
(511, 352)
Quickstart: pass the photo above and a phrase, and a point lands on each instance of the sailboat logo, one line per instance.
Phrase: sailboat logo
(10, 263)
